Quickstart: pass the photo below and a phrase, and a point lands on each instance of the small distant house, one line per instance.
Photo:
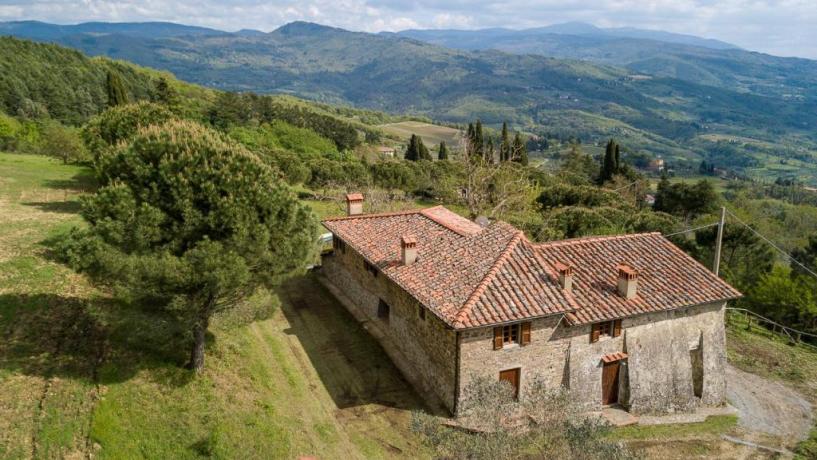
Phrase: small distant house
(628, 319)
(386, 151)
(656, 165)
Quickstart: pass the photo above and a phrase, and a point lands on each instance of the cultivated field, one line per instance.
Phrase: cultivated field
(431, 134)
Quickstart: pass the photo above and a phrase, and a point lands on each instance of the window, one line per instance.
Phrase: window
(383, 310)
(370, 268)
(421, 312)
(338, 244)
(510, 334)
(605, 329)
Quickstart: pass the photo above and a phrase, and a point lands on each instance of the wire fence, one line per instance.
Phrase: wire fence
(754, 322)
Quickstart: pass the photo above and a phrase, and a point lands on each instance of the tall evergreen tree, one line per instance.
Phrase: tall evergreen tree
(166, 95)
(519, 151)
(115, 89)
(478, 142)
(505, 145)
(609, 165)
(442, 152)
(413, 149)
(422, 150)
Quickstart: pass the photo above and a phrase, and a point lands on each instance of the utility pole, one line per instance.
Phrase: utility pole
(717, 264)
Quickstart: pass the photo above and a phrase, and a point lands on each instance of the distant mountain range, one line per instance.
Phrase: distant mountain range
(670, 98)
(481, 39)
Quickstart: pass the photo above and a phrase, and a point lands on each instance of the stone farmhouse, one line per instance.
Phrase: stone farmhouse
(629, 320)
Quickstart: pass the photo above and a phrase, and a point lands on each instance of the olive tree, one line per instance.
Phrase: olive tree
(191, 221)
(546, 423)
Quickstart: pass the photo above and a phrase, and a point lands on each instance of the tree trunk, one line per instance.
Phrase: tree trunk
(197, 351)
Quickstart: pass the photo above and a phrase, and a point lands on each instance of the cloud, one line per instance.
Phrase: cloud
(782, 27)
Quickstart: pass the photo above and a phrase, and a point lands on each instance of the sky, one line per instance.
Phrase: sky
(781, 27)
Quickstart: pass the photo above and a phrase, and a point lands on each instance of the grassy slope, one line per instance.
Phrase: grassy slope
(287, 374)
(431, 134)
(82, 374)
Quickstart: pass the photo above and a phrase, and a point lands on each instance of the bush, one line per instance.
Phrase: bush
(62, 142)
(492, 424)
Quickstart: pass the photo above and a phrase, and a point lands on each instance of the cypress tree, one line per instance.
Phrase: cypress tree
(166, 94)
(116, 90)
(442, 152)
(412, 151)
(519, 150)
(422, 150)
(489, 150)
(608, 164)
(479, 140)
(505, 146)
(617, 156)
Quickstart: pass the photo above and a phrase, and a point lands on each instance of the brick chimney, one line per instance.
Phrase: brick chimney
(565, 276)
(627, 281)
(408, 246)
(354, 204)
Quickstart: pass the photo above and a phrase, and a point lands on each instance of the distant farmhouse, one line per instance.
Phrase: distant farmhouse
(386, 151)
(629, 320)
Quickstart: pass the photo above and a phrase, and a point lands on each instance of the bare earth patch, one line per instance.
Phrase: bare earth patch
(767, 406)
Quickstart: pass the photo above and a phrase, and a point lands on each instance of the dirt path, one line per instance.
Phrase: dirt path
(768, 407)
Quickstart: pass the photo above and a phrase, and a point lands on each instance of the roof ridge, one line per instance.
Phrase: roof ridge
(377, 215)
(588, 239)
(440, 222)
(465, 309)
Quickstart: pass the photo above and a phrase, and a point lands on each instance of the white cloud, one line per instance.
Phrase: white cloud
(784, 27)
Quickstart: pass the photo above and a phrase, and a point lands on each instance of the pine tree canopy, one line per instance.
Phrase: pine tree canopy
(190, 221)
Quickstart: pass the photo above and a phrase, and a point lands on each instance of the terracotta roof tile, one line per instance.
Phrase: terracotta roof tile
(470, 276)
(668, 278)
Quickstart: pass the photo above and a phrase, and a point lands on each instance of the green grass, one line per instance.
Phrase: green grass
(714, 426)
(288, 373)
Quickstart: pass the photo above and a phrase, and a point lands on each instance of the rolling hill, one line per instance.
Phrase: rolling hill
(662, 115)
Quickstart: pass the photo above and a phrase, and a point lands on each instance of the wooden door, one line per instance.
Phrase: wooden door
(511, 376)
(609, 383)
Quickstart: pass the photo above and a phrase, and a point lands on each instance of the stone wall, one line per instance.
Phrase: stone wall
(544, 356)
(423, 349)
(657, 376)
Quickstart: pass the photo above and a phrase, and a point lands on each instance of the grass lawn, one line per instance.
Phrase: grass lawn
(289, 373)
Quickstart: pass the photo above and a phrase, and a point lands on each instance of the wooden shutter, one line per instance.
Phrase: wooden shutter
(594, 333)
(616, 328)
(498, 338)
(525, 339)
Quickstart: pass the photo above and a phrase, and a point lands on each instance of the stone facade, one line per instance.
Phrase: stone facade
(423, 349)
(675, 359)
(665, 351)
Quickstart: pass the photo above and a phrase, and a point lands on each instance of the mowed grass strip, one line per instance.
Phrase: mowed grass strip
(288, 373)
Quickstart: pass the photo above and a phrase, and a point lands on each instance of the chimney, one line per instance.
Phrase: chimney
(354, 204)
(408, 246)
(627, 281)
(565, 276)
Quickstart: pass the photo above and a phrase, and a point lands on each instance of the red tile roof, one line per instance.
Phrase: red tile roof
(470, 276)
(617, 356)
(668, 278)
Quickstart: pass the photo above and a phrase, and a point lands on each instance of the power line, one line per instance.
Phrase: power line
(692, 229)
(772, 244)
